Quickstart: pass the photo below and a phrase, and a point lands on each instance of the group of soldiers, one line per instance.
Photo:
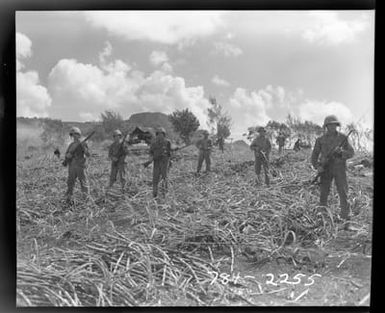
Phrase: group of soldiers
(160, 154)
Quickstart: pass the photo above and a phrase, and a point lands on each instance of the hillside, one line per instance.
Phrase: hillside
(152, 119)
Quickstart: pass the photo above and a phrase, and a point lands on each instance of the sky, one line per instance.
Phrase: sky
(259, 65)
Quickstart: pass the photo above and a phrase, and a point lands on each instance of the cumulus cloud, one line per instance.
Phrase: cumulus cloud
(167, 27)
(316, 111)
(329, 28)
(227, 49)
(160, 58)
(32, 98)
(23, 49)
(219, 81)
(87, 88)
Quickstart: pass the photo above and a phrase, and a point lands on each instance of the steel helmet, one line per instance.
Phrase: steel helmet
(205, 132)
(331, 119)
(161, 130)
(117, 132)
(261, 129)
(75, 130)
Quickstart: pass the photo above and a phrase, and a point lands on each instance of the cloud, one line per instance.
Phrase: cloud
(32, 98)
(219, 81)
(167, 27)
(23, 49)
(160, 58)
(329, 28)
(86, 88)
(227, 49)
(316, 111)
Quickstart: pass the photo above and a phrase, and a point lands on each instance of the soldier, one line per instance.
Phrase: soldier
(221, 144)
(160, 151)
(262, 147)
(297, 145)
(77, 153)
(281, 142)
(336, 169)
(117, 154)
(204, 145)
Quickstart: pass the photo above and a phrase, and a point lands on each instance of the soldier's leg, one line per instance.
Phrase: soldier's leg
(163, 176)
(208, 161)
(200, 161)
(155, 178)
(70, 182)
(114, 171)
(266, 172)
(342, 189)
(326, 180)
(258, 165)
(122, 175)
(82, 175)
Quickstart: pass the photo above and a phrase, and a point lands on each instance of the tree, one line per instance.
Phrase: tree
(184, 123)
(53, 132)
(219, 122)
(304, 129)
(111, 121)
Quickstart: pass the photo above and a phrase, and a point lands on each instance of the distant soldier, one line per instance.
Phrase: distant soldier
(336, 169)
(221, 144)
(204, 145)
(281, 138)
(297, 145)
(77, 153)
(117, 154)
(262, 147)
(57, 153)
(160, 152)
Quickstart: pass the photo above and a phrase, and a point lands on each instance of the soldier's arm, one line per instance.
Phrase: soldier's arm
(253, 145)
(315, 153)
(268, 147)
(86, 150)
(348, 151)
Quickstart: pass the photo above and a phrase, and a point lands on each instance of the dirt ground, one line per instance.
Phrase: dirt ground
(342, 278)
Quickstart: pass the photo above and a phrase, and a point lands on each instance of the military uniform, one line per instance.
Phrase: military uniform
(204, 145)
(297, 146)
(261, 144)
(281, 142)
(118, 168)
(77, 167)
(335, 170)
(160, 151)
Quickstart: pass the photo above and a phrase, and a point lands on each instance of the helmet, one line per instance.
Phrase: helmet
(331, 119)
(117, 132)
(261, 129)
(205, 132)
(161, 130)
(75, 130)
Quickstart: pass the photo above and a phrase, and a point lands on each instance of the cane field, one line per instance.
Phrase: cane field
(218, 239)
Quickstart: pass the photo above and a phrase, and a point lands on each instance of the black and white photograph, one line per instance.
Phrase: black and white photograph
(205, 158)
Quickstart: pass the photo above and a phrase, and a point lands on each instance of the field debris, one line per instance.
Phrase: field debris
(127, 249)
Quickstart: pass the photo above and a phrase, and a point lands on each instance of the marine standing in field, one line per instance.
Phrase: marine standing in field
(261, 146)
(204, 145)
(281, 138)
(336, 168)
(297, 145)
(117, 154)
(76, 155)
(160, 152)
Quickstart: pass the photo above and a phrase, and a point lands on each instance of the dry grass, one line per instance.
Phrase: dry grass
(124, 250)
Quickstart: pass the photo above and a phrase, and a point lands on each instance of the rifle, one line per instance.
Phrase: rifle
(329, 157)
(147, 163)
(67, 160)
(121, 146)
